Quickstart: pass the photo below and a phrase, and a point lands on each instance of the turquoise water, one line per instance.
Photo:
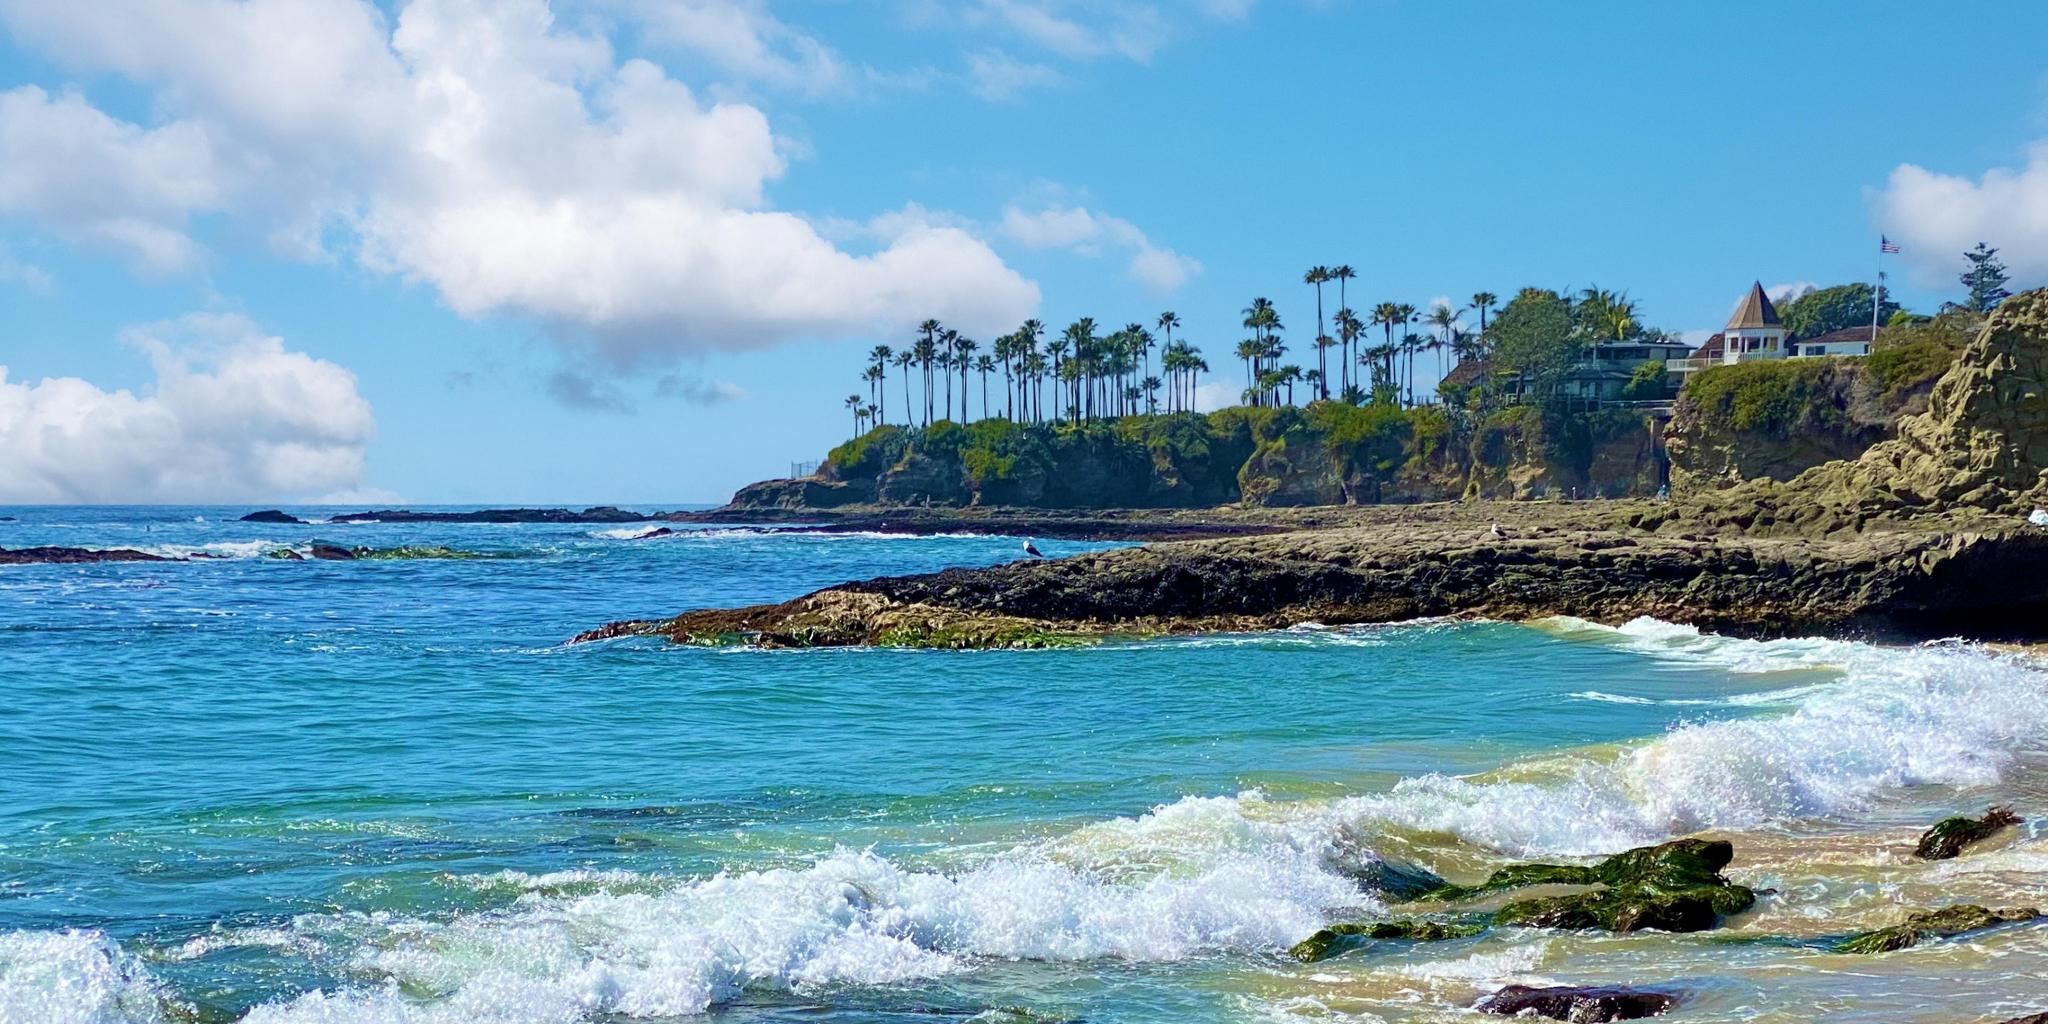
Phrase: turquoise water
(250, 789)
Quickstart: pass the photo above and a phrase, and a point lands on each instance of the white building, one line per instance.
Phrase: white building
(1756, 332)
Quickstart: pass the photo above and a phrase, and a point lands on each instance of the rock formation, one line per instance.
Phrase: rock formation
(1981, 447)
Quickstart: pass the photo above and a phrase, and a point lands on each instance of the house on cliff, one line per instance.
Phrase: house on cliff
(1757, 332)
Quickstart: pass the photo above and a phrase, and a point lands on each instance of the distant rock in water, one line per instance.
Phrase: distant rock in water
(1577, 1004)
(597, 514)
(1949, 836)
(332, 553)
(1933, 924)
(74, 556)
(271, 515)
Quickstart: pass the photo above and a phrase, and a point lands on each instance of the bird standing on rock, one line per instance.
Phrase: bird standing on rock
(1497, 532)
(1032, 550)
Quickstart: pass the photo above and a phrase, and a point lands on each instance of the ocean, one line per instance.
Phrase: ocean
(284, 792)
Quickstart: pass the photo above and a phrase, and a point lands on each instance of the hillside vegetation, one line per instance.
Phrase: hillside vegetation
(1321, 454)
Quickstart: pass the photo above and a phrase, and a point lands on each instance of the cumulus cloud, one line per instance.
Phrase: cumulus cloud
(1935, 217)
(1093, 233)
(93, 178)
(231, 417)
(509, 163)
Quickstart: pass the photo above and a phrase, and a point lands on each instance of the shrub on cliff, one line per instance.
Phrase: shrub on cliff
(1373, 438)
(868, 455)
(1773, 397)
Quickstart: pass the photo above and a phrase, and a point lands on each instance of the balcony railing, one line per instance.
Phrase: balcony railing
(1689, 365)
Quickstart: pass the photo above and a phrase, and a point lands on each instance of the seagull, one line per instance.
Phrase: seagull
(1497, 532)
(1032, 550)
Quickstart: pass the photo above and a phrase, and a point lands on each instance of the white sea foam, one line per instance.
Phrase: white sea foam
(1672, 641)
(222, 549)
(73, 977)
(850, 918)
(1927, 716)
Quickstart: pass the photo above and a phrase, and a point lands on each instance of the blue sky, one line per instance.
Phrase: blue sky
(625, 251)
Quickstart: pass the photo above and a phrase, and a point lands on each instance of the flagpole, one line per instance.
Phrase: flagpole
(1877, 291)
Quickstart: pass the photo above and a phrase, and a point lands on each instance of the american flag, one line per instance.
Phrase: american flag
(1886, 245)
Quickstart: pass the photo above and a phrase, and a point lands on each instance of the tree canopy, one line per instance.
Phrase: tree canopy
(1532, 336)
(1833, 309)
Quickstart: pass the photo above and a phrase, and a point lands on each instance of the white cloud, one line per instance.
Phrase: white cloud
(1218, 393)
(697, 390)
(995, 75)
(93, 178)
(28, 275)
(512, 165)
(232, 417)
(1936, 217)
(1091, 233)
(744, 38)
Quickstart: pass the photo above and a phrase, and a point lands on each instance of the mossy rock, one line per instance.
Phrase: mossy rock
(1933, 924)
(1342, 938)
(1674, 887)
(1632, 908)
(1949, 836)
(1681, 863)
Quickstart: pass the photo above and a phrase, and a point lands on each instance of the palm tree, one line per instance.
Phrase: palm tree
(859, 411)
(904, 360)
(1445, 320)
(963, 357)
(879, 358)
(1167, 322)
(1342, 275)
(1196, 366)
(1321, 379)
(1081, 335)
(1484, 303)
(927, 349)
(1028, 336)
(1316, 276)
(984, 366)
(1152, 385)
(1411, 343)
(1290, 374)
(1249, 351)
(1349, 328)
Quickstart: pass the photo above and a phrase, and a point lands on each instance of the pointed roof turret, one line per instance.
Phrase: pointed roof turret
(1756, 311)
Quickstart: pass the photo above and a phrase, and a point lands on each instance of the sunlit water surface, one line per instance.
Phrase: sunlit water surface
(245, 789)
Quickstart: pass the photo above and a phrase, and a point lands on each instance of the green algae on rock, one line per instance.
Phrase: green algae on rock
(1340, 938)
(1949, 836)
(1674, 887)
(1934, 924)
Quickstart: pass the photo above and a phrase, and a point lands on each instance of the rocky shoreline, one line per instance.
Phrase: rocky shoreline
(1987, 583)
(1924, 536)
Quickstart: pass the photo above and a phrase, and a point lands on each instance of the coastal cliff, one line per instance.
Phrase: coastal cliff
(1920, 536)
(1327, 453)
